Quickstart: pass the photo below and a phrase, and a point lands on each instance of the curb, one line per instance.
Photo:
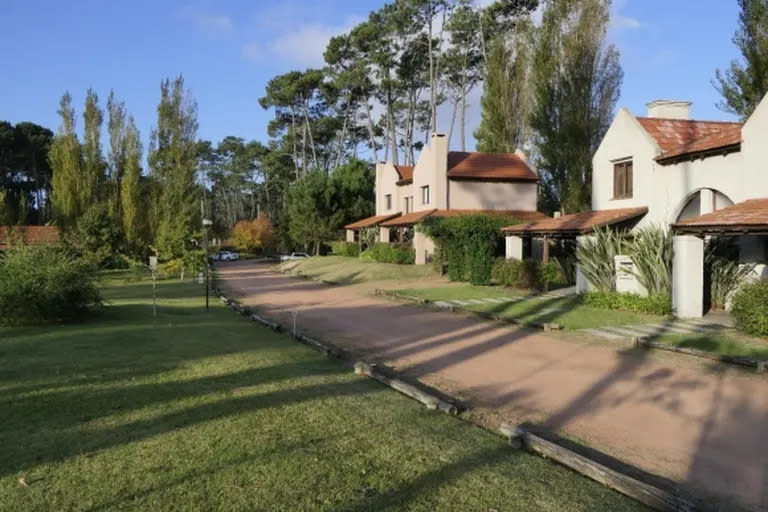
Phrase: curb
(760, 366)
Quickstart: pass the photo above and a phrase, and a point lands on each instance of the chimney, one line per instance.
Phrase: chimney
(438, 154)
(521, 155)
(669, 109)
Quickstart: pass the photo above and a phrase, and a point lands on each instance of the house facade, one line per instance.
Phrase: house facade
(666, 169)
(448, 183)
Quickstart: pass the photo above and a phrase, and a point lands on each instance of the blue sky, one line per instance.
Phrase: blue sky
(228, 50)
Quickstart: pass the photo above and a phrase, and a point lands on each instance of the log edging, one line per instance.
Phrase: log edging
(758, 365)
(647, 494)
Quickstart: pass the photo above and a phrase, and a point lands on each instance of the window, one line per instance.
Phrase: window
(425, 194)
(409, 204)
(622, 180)
(388, 199)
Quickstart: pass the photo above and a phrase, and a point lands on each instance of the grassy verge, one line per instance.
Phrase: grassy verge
(567, 311)
(728, 343)
(346, 270)
(202, 410)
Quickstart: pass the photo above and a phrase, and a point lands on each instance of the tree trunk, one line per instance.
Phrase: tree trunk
(453, 121)
(463, 116)
(309, 131)
(371, 131)
(343, 131)
(432, 96)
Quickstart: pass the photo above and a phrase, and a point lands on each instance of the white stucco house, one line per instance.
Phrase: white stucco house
(702, 178)
(447, 183)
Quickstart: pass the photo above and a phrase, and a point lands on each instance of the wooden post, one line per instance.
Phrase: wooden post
(545, 251)
(642, 492)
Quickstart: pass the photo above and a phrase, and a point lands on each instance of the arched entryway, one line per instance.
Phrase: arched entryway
(700, 202)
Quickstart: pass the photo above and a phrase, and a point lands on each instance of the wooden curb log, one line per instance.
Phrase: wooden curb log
(642, 492)
(263, 321)
(760, 366)
(331, 352)
(432, 402)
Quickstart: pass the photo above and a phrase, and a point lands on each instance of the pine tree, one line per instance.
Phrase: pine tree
(66, 162)
(744, 85)
(173, 164)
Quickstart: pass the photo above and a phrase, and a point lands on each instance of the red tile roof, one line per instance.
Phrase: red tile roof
(408, 218)
(405, 172)
(490, 166)
(416, 217)
(678, 137)
(30, 235)
(577, 223)
(745, 217)
(371, 221)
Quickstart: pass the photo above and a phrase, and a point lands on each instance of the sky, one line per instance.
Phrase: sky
(228, 50)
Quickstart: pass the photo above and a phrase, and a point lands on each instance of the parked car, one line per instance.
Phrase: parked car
(294, 256)
(225, 256)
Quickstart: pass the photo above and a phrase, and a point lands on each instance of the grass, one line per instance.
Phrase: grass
(567, 311)
(204, 410)
(347, 270)
(729, 343)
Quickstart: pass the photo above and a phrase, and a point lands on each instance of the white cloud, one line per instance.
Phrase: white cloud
(302, 46)
(621, 22)
(211, 23)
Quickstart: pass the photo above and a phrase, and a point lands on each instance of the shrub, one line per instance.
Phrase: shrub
(389, 253)
(749, 308)
(251, 235)
(41, 285)
(653, 304)
(651, 252)
(726, 274)
(345, 249)
(551, 273)
(505, 272)
(527, 274)
(596, 254)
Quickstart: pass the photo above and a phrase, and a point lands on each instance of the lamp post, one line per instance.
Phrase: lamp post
(206, 224)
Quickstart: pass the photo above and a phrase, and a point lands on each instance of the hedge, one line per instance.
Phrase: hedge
(41, 285)
(652, 304)
(527, 274)
(390, 253)
(749, 308)
(351, 249)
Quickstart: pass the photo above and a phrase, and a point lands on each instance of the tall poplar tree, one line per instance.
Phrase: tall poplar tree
(66, 160)
(116, 159)
(173, 165)
(94, 167)
(743, 85)
(132, 211)
(577, 79)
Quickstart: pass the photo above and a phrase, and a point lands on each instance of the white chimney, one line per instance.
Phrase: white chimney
(669, 109)
(521, 155)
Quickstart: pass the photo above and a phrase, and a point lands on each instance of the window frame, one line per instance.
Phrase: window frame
(623, 179)
(425, 195)
(388, 201)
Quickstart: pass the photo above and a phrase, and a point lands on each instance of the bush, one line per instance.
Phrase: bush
(350, 249)
(252, 235)
(526, 274)
(389, 253)
(41, 285)
(749, 308)
(652, 304)
(467, 244)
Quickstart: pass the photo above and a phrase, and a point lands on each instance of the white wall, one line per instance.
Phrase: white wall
(664, 189)
(430, 171)
(755, 149)
(386, 179)
(488, 195)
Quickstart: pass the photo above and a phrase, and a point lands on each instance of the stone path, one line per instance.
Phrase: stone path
(676, 326)
(557, 294)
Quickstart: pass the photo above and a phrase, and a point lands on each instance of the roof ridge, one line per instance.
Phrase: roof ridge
(690, 120)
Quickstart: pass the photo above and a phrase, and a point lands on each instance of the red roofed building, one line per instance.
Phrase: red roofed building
(28, 235)
(447, 183)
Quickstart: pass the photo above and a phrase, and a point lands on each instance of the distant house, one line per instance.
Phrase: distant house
(700, 177)
(28, 235)
(448, 183)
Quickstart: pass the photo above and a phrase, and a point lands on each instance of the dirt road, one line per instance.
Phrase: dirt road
(705, 428)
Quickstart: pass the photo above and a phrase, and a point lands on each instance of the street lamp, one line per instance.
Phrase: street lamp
(206, 224)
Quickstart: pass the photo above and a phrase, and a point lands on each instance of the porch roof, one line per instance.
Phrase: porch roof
(748, 217)
(577, 223)
(416, 217)
(371, 221)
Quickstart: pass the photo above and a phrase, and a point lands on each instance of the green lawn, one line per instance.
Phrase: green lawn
(207, 411)
(566, 311)
(346, 270)
(729, 343)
